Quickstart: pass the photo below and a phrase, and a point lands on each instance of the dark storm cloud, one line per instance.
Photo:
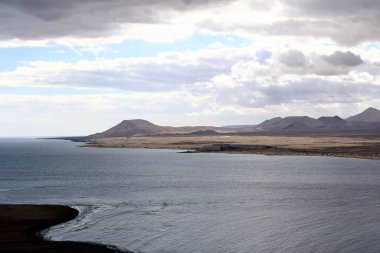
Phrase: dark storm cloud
(344, 59)
(38, 19)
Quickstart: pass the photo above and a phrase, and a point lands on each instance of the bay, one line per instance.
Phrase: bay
(148, 200)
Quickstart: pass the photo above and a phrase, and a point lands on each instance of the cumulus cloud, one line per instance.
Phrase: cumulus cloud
(336, 63)
(293, 77)
(216, 71)
(168, 71)
(293, 58)
(344, 59)
(213, 86)
(313, 91)
(207, 82)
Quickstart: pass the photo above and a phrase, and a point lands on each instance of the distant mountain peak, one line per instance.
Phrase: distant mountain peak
(368, 115)
(371, 109)
(368, 120)
(336, 117)
(291, 123)
(142, 127)
(137, 122)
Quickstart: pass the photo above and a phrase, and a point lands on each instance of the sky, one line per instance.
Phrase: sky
(77, 67)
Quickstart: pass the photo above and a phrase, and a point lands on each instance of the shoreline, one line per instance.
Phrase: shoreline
(21, 223)
(275, 153)
(325, 146)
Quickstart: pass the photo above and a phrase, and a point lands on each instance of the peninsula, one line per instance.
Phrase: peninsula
(357, 136)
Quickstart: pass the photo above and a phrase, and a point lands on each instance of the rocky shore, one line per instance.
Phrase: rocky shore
(19, 225)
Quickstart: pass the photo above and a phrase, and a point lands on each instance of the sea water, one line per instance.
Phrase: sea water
(164, 201)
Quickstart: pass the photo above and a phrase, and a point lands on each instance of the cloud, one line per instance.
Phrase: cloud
(316, 91)
(293, 58)
(101, 103)
(335, 7)
(238, 81)
(62, 115)
(313, 63)
(344, 59)
(94, 21)
(345, 21)
(300, 94)
(292, 77)
(316, 54)
(167, 71)
(43, 19)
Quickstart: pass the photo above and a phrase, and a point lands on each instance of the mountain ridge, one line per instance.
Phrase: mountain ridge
(368, 120)
(140, 127)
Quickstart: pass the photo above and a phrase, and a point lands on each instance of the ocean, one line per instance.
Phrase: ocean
(147, 200)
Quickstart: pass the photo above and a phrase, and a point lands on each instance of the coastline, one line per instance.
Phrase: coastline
(19, 225)
(359, 147)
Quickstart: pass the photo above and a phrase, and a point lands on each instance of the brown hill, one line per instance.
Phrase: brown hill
(335, 122)
(367, 121)
(369, 115)
(140, 127)
(132, 128)
(304, 124)
(293, 123)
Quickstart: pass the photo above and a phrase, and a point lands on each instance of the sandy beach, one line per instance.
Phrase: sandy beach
(20, 223)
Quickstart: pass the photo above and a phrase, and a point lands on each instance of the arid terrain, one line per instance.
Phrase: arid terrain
(357, 136)
(367, 147)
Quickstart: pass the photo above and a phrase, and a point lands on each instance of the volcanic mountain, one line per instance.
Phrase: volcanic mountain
(302, 124)
(289, 123)
(369, 115)
(367, 121)
(140, 127)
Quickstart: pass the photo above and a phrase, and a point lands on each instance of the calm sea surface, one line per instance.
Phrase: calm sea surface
(163, 201)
